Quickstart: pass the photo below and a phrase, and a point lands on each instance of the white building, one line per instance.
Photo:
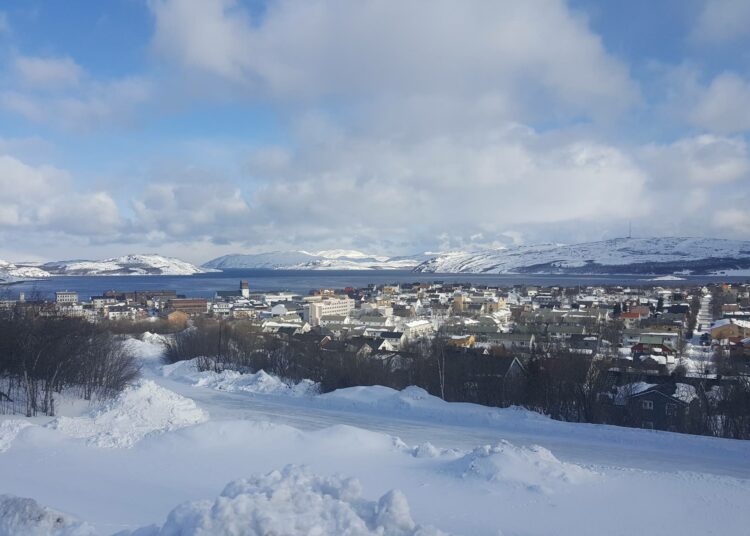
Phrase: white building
(313, 311)
(416, 329)
(65, 296)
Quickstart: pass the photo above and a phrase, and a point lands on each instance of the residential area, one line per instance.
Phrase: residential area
(668, 358)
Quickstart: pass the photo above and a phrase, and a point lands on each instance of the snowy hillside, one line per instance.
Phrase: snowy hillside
(10, 272)
(189, 452)
(322, 260)
(616, 256)
(125, 265)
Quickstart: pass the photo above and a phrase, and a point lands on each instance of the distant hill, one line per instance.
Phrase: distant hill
(322, 260)
(632, 256)
(150, 264)
(10, 273)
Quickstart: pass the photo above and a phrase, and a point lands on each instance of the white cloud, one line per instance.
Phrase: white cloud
(505, 55)
(42, 199)
(94, 105)
(701, 160)
(734, 219)
(47, 73)
(484, 183)
(722, 21)
(4, 24)
(723, 106)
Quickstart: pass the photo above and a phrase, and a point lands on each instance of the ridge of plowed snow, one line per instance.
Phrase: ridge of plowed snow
(293, 502)
(141, 409)
(26, 517)
(534, 468)
(9, 430)
(230, 380)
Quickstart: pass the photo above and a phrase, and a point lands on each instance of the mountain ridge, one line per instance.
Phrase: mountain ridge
(625, 256)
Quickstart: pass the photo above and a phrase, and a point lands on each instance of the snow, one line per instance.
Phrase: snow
(26, 517)
(230, 380)
(321, 260)
(9, 429)
(617, 254)
(293, 501)
(534, 468)
(319, 464)
(149, 264)
(10, 273)
(141, 409)
(667, 278)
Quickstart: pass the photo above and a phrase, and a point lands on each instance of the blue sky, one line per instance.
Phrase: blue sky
(202, 127)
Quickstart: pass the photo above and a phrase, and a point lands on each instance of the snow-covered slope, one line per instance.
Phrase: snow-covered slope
(336, 259)
(125, 265)
(358, 461)
(10, 272)
(616, 256)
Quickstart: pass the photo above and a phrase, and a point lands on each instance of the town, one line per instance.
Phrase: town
(672, 358)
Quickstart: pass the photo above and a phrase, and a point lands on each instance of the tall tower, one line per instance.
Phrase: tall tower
(244, 289)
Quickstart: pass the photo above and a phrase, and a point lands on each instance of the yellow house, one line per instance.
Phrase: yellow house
(730, 329)
(466, 341)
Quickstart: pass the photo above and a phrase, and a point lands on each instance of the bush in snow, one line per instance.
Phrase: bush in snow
(19, 516)
(292, 502)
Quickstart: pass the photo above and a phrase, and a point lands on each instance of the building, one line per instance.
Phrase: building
(190, 306)
(66, 297)
(313, 311)
(417, 329)
(730, 329)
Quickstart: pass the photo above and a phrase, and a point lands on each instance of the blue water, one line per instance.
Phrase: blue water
(302, 281)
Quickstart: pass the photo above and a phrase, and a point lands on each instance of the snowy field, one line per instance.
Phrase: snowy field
(183, 452)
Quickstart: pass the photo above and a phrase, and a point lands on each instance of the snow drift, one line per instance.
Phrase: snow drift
(26, 517)
(9, 429)
(290, 502)
(231, 380)
(141, 409)
(533, 468)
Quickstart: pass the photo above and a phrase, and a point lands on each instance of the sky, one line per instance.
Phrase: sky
(197, 128)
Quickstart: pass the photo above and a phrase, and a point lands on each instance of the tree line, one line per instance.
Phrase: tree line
(41, 356)
(556, 382)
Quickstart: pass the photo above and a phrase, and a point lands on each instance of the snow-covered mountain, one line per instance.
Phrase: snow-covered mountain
(322, 260)
(10, 273)
(616, 256)
(125, 265)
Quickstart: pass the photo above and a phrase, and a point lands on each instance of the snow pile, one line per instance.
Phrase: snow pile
(291, 502)
(141, 409)
(19, 516)
(415, 402)
(9, 429)
(230, 380)
(149, 347)
(533, 468)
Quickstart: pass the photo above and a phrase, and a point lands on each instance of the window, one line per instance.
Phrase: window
(671, 409)
(647, 424)
(647, 404)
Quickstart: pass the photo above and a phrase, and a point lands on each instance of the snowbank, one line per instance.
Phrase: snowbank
(293, 501)
(414, 402)
(9, 430)
(19, 516)
(150, 346)
(231, 380)
(141, 409)
(533, 468)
